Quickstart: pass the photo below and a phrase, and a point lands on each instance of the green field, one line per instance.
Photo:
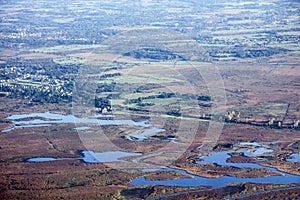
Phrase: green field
(267, 109)
(69, 60)
(63, 20)
(141, 79)
(66, 48)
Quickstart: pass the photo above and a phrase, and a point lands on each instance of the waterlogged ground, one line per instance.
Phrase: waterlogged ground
(245, 149)
(50, 142)
(47, 119)
(221, 159)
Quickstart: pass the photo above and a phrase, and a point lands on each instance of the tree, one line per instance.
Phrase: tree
(296, 123)
(271, 121)
(230, 115)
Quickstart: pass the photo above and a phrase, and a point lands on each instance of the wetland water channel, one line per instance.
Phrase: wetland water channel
(219, 158)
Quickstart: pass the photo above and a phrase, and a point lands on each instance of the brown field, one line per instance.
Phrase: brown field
(255, 91)
(239, 190)
(70, 178)
(38, 56)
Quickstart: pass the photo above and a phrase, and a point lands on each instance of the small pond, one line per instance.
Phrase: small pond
(294, 158)
(144, 135)
(43, 159)
(256, 152)
(110, 156)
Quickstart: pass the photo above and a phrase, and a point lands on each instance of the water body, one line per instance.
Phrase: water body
(82, 128)
(294, 158)
(111, 156)
(24, 126)
(8, 130)
(250, 144)
(43, 159)
(117, 156)
(144, 135)
(215, 182)
(220, 158)
(257, 152)
(92, 157)
(49, 118)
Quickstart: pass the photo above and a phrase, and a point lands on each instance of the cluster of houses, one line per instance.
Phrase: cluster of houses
(38, 87)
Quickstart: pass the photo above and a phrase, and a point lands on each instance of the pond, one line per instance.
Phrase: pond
(294, 158)
(82, 128)
(92, 157)
(110, 156)
(43, 159)
(144, 135)
(250, 144)
(220, 158)
(257, 152)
